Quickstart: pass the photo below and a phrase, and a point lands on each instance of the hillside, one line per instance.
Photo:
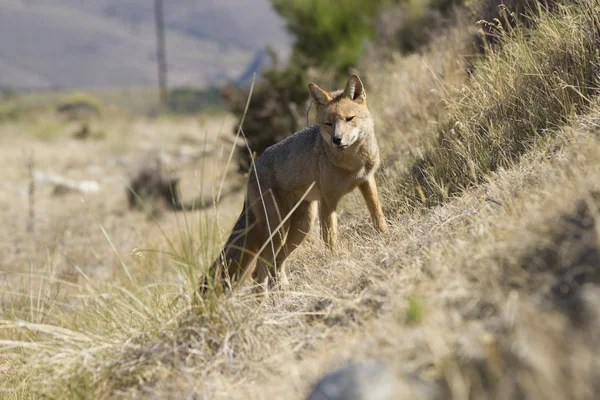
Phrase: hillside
(486, 287)
(74, 44)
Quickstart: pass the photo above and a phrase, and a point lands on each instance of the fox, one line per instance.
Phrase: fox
(292, 181)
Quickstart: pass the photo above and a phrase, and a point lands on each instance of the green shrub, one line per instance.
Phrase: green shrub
(329, 33)
(273, 112)
(79, 106)
(414, 311)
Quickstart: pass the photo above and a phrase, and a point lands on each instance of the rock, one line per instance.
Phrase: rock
(64, 185)
(372, 380)
(153, 185)
(87, 186)
(366, 381)
(94, 170)
(188, 153)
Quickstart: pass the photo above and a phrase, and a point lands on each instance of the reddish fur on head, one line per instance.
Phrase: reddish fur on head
(342, 115)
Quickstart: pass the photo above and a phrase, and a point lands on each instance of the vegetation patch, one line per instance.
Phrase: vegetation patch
(79, 106)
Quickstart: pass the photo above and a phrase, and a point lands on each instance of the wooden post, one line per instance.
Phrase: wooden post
(161, 53)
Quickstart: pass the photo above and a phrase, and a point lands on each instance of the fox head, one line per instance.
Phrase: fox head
(343, 115)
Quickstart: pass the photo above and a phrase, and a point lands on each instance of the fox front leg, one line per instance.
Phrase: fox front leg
(368, 189)
(328, 219)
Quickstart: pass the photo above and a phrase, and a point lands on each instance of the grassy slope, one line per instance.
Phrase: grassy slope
(457, 295)
(519, 93)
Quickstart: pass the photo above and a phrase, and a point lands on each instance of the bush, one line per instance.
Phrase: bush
(274, 109)
(80, 106)
(329, 33)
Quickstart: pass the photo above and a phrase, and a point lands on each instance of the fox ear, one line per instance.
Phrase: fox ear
(319, 95)
(354, 88)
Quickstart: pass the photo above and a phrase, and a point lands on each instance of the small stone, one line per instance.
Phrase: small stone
(365, 381)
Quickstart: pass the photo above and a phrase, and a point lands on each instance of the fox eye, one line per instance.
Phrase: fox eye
(328, 124)
(348, 119)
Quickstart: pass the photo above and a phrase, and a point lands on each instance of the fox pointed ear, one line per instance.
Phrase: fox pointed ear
(319, 95)
(354, 88)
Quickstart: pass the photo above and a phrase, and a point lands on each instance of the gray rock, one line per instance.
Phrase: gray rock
(123, 161)
(373, 380)
(365, 381)
(188, 153)
(64, 185)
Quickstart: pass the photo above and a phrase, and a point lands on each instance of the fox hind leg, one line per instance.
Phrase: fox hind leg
(264, 270)
(300, 223)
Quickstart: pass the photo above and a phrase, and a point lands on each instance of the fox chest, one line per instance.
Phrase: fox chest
(337, 185)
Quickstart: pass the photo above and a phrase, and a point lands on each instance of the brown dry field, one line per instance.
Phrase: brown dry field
(68, 227)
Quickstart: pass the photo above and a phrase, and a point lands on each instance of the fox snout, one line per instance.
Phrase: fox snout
(341, 138)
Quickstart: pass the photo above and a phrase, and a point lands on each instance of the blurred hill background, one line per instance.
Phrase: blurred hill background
(66, 44)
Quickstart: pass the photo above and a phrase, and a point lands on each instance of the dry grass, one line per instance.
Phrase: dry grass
(491, 293)
(535, 81)
(406, 93)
